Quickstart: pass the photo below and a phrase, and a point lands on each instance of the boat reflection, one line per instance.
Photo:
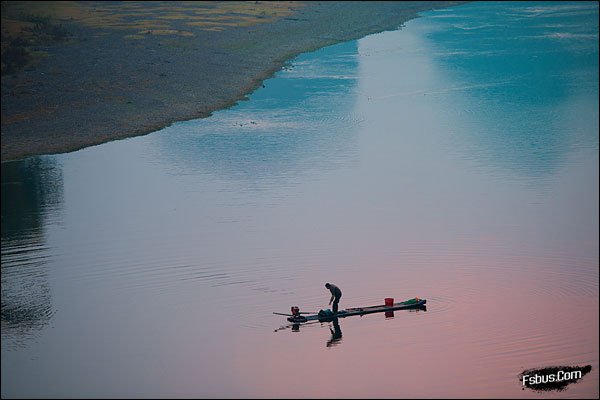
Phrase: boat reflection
(334, 325)
(336, 330)
(336, 334)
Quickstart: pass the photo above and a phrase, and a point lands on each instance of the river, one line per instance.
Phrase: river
(455, 159)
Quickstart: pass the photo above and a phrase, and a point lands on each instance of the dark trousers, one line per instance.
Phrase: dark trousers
(336, 300)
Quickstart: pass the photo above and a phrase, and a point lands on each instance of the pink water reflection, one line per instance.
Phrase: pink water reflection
(467, 344)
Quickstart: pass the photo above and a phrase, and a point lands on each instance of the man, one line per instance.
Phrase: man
(336, 294)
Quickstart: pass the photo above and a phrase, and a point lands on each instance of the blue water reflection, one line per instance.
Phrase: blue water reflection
(301, 122)
(539, 63)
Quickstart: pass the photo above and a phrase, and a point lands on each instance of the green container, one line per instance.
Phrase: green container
(411, 301)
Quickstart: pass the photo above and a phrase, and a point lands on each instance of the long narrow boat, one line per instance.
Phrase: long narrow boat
(327, 315)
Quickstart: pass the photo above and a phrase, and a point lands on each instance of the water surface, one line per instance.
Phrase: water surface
(455, 159)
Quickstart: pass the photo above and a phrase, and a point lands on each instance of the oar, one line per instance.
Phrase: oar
(290, 315)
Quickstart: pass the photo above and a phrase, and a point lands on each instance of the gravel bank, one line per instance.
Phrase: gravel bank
(105, 83)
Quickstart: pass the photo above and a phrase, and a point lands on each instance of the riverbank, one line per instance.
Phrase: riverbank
(88, 73)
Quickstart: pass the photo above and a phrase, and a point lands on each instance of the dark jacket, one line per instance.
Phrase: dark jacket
(335, 291)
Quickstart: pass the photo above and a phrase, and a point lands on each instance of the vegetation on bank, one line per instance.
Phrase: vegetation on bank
(23, 37)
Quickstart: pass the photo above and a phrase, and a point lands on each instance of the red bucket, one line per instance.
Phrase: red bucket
(389, 302)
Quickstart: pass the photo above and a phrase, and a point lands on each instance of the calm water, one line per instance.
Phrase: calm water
(455, 160)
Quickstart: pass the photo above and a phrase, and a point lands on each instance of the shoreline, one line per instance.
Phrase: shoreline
(103, 85)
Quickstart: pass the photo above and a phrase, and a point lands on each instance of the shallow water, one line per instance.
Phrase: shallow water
(455, 160)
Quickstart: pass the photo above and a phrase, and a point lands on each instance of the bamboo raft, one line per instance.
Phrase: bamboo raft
(327, 315)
